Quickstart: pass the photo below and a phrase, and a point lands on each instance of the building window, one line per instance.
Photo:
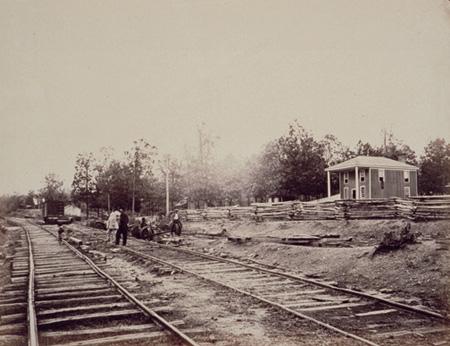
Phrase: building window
(353, 193)
(407, 191)
(345, 192)
(362, 192)
(346, 178)
(381, 178)
(362, 176)
(406, 176)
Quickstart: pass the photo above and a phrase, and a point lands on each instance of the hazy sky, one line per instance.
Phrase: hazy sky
(79, 75)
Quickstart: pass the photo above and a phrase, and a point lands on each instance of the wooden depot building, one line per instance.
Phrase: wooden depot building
(374, 177)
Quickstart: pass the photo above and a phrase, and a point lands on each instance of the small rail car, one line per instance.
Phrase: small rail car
(53, 213)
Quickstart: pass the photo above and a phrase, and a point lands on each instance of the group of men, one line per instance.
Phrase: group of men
(118, 223)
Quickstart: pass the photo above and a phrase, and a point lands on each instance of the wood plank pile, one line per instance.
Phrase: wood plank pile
(274, 211)
(316, 211)
(431, 207)
(405, 208)
(415, 208)
(300, 240)
(368, 209)
(192, 214)
(242, 212)
(217, 213)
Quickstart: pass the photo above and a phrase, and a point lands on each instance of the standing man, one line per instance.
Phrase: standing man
(176, 224)
(123, 228)
(112, 225)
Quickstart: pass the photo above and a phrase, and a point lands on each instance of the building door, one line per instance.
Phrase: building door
(353, 193)
(345, 192)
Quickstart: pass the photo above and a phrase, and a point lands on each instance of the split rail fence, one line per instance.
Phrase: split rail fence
(415, 208)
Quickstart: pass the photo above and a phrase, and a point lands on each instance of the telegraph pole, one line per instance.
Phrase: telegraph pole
(167, 187)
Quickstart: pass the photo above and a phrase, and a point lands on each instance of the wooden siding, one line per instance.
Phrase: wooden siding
(352, 184)
(394, 184)
(413, 183)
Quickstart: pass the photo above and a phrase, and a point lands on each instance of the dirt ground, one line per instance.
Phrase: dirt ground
(8, 236)
(417, 274)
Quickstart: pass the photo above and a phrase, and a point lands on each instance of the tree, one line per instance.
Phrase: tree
(53, 188)
(113, 181)
(395, 149)
(31, 198)
(172, 179)
(291, 167)
(265, 173)
(84, 187)
(334, 151)
(10, 203)
(231, 180)
(366, 149)
(201, 172)
(102, 169)
(302, 164)
(140, 160)
(434, 171)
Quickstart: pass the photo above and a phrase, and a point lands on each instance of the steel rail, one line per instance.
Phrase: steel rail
(314, 282)
(163, 322)
(33, 339)
(269, 302)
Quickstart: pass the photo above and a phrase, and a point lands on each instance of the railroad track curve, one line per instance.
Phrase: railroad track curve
(58, 296)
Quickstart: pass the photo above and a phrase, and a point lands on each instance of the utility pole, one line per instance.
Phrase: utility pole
(87, 190)
(134, 188)
(167, 187)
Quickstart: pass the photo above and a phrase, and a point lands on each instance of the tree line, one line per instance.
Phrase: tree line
(289, 167)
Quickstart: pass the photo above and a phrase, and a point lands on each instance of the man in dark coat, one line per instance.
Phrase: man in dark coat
(123, 228)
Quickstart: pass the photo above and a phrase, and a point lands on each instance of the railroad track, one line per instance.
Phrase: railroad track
(365, 318)
(368, 319)
(58, 296)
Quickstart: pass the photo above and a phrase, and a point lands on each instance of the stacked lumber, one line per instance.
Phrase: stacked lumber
(192, 214)
(316, 211)
(405, 208)
(274, 211)
(369, 209)
(431, 207)
(415, 208)
(217, 213)
(242, 212)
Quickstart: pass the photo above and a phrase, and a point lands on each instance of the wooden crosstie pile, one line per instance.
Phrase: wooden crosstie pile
(415, 208)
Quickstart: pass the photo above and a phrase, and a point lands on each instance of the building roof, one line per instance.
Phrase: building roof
(371, 162)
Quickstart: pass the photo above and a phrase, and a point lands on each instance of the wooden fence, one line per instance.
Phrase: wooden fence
(414, 208)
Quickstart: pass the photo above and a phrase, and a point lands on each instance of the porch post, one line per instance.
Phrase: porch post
(357, 182)
(328, 184)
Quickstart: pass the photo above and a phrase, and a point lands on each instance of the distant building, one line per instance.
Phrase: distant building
(374, 177)
(72, 210)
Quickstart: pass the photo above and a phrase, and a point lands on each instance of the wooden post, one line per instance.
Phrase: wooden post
(357, 182)
(328, 184)
(167, 189)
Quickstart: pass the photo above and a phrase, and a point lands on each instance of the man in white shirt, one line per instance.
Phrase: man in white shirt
(112, 225)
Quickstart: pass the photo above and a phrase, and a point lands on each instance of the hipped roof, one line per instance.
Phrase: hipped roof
(371, 162)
